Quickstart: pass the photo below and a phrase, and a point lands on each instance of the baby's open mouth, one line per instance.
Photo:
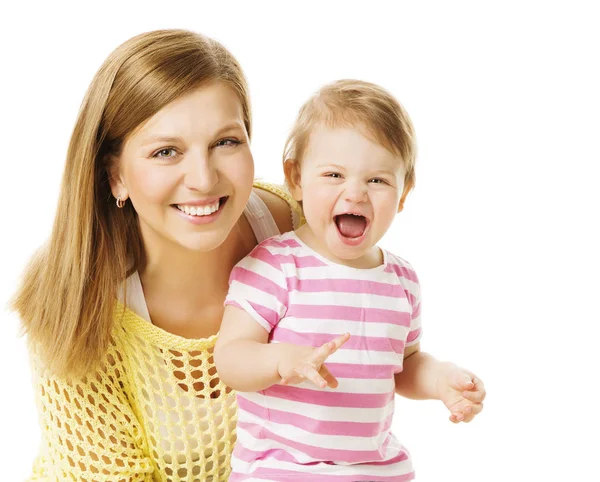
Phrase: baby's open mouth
(351, 225)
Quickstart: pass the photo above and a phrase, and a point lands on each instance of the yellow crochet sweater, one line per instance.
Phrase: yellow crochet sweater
(156, 411)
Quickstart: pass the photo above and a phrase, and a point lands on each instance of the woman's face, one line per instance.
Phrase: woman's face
(188, 170)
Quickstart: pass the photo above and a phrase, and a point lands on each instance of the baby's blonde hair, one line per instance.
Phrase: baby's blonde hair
(359, 104)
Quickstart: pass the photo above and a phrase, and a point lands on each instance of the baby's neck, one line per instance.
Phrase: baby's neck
(372, 257)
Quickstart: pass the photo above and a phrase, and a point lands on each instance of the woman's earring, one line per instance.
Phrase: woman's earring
(120, 203)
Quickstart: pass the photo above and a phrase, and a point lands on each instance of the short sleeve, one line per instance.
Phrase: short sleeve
(258, 286)
(414, 298)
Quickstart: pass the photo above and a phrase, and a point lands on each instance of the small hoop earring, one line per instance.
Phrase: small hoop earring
(120, 203)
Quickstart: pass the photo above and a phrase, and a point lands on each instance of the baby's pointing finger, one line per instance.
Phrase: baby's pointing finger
(327, 349)
(339, 341)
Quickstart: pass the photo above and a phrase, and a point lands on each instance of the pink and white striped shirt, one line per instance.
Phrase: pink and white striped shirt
(300, 432)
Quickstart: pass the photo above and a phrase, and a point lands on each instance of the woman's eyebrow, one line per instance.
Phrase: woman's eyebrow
(169, 139)
(229, 127)
(162, 139)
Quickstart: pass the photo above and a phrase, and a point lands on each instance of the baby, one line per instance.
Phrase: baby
(321, 326)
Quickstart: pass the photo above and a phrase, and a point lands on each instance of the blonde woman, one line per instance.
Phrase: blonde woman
(123, 304)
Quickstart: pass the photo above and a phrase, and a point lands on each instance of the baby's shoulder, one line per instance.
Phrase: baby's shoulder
(280, 243)
(276, 249)
(401, 267)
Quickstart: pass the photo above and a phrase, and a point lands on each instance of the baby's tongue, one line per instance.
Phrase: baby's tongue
(351, 226)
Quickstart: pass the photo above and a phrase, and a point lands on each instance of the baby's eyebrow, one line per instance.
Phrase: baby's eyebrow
(383, 172)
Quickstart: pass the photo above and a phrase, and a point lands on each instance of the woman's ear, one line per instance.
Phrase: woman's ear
(291, 168)
(408, 186)
(117, 184)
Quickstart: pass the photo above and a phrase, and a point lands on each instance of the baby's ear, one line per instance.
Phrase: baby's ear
(291, 168)
(408, 186)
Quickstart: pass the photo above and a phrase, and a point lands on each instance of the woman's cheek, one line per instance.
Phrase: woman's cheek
(240, 174)
(152, 186)
(245, 173)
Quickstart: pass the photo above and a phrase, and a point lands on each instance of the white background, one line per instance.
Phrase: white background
(502, 227)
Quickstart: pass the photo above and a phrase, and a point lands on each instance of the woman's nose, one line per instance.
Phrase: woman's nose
(201, 174)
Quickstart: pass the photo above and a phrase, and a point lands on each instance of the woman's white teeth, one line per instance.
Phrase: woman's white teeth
(199, 210)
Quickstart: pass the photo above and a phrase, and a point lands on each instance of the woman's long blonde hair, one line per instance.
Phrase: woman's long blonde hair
(67, 298)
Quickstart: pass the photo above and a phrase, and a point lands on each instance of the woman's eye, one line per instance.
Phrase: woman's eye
(227, 143)
(377, 181)
(166, 153)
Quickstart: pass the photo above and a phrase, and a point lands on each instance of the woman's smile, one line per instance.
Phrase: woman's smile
(201, 212)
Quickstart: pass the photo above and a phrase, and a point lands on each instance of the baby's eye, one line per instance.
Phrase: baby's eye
(334, 175)
(164, 153)
(227, 143)
(377, 180)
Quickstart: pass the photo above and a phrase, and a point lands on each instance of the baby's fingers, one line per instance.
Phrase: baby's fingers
(475, 409)
(477, 393)
(327, 349)
(310, 373)
(466, 414)
(329, 378)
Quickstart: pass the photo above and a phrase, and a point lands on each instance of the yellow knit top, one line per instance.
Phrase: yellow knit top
(156, 411)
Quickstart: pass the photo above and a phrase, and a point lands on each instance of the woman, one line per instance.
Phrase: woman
(123, 304)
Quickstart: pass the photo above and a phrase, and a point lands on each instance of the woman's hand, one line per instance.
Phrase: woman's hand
(462, 393)
(299, 363)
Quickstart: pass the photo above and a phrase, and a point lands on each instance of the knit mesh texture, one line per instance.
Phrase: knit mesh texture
(156, 409)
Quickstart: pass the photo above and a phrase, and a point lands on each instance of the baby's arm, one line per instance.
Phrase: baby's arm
(247, 363)
(424, 378)
(244, 359)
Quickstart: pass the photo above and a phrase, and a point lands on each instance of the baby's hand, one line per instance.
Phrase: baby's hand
(462, 392)
(306, 363)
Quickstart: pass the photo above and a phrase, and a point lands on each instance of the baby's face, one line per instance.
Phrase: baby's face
(350, 188)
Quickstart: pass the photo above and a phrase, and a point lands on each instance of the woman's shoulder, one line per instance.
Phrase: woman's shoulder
(286, 212)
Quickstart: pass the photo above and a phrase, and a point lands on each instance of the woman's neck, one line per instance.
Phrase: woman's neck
(185, 290)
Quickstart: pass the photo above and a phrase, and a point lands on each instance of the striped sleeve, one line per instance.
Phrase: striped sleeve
(414, 295)
(410, 282)
(258, 286)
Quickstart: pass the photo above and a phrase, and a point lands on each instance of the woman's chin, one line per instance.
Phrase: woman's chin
(207, 242)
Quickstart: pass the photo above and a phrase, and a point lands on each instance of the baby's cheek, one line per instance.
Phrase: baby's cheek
(387, 208)
(316, 210)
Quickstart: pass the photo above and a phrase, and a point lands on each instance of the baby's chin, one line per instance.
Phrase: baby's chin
(354, 254)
